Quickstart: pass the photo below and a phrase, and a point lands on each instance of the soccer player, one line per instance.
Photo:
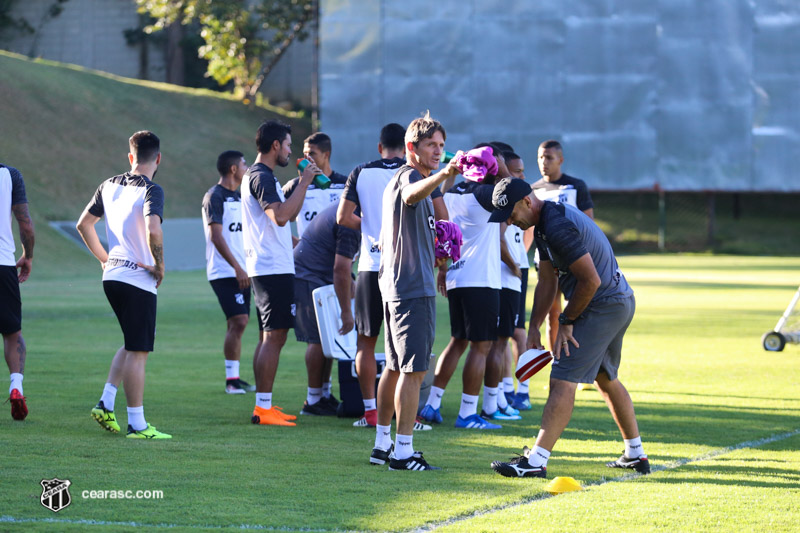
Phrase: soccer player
(408, 290)
(222, 223)
(360, 209)
(555, 186)
(268, 258)
(133, 269)
(575, 255)
(12, 273)
(323, 256)
(318, 148)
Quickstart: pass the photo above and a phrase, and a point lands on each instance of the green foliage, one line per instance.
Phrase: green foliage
(242, 40)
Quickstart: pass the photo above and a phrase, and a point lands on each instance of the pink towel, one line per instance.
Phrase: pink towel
(448, 240)
(477, 163)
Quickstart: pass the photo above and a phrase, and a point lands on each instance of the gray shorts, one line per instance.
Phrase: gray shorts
(409, 330)
(305, 319)
(599, 331)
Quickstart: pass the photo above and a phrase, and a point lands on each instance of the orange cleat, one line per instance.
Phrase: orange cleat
(284, 415)
(18, 408)
(269, 417)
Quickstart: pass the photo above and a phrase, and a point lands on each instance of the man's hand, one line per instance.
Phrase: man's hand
(563, 339)
(347, 322)
(157, 273)
(534, 339)
(311, 170)
(24, 265)
(241, 278)
(441, 281)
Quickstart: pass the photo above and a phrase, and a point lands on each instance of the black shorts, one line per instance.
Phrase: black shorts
(10, 301)
(522, 314)
(233, 300)
(509, 313)
(305, 322)
(274, 301)
(136, 312)
(474, 313)
(369, 305)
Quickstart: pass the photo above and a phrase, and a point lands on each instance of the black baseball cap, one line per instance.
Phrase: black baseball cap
(507, 192)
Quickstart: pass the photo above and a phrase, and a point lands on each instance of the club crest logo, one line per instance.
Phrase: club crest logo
(502, 200)
(55, 494)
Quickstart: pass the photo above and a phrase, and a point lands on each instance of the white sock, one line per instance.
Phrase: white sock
(231, 369)
(633, 447)
(136, 418)
(109, 396)
(489, 399)
(326, 389)
(370, 405)
(469, 406)
(522, 387)
(403, 446)
(502, 403)
(538, 457)
(508, 385)
(435, 397)
(16, 382)
(383, 437)
(264, 400)
(313, 396)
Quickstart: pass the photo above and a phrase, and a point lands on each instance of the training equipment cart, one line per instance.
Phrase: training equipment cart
(786, 330)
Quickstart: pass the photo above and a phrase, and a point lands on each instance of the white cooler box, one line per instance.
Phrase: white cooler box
(328, 311)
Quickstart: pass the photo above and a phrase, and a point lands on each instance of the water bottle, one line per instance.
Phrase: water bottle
(321, 181)
(447, 156)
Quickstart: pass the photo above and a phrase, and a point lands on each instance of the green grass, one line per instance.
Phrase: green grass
(66, 129)
(692, 361)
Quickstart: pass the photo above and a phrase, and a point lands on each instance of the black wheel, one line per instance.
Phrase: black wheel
(773, 341)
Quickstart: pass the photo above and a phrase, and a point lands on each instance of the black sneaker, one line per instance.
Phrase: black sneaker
(415, 462)
(317, 409)
(640, 464)
(519, 467)
(246, 386)
(380, 457)
(331, 401)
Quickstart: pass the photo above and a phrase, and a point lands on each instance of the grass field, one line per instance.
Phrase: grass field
(720, 419)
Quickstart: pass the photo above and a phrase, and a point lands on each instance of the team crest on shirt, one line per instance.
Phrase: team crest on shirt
(55, 494)
(431, 222)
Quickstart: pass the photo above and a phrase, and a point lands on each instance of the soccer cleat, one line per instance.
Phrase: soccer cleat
(363, 423)
(331, 401)
(270, 417)
(430, 414)
(419, 426)
(234, 386)
(519, 467)
(19, 410)
(148, 433)
(285, 416)
(521, 402)
(509, 397)
(415, 462)
(317, 409)
(475, 422)
(641, 464)
(105, 418)
(246, 386)
(499, 415)
(380, 457)
(510, 410)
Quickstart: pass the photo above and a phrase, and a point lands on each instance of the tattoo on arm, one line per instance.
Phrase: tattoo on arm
(158, 254)
(26, 235)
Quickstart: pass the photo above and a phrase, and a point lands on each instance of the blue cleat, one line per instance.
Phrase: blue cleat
(521, 402)
(475, 422)
(430, 414)
(500, 414)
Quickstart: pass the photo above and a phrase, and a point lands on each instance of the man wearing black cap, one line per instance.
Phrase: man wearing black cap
(577, 258)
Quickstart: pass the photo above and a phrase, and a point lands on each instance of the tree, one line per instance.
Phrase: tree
(244, 39)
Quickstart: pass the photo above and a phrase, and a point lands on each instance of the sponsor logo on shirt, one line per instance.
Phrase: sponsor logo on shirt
(235, 226)
(125, 263)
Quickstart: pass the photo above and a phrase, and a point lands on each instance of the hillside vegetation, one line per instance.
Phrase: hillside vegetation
(66, 129)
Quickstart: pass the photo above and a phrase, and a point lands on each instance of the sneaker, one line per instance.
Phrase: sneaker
(380, 457)
(519, 467)
(331, 401)
(19, 410)
(521, 402)
(317, 409)
(499, 415)
(430, 414)
(270, 417)
(234, 386)
(475, 422)
(641, 464)
(105, 418)
(149, 433)
(415, 462)
(420, 426)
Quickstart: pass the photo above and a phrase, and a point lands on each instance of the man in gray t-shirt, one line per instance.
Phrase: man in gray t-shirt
(408, 290)
(576, 256)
